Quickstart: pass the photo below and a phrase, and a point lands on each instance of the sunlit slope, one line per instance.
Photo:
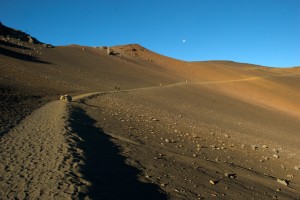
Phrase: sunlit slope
(76, 69)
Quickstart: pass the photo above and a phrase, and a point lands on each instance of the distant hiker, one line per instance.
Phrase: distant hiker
(117, 88)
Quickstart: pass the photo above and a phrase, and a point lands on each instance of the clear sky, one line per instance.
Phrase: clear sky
(265, 32)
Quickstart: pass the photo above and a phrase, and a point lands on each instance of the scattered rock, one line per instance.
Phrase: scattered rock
(48, 46)
(66, 97)
(213, 182)
(254, 147)
(297, 167)
(275, 156)
(162, 184)
(265, 157)
(30, 40)
(83, 189)
(110, 52)
(275, 150)
(265, 146)
(230, 175)
(283, 182)
(290, 176)
(154, 119)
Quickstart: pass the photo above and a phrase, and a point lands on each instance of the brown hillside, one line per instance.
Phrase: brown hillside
(173, 129)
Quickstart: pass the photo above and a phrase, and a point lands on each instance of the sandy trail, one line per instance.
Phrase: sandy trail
(206, 82)
(186, 83)
(36, 160)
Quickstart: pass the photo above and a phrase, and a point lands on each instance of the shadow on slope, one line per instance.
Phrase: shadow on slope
(13, 45)
(105, 168)
(15, 105)
(21, 56)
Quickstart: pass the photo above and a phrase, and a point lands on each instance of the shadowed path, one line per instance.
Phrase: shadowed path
(103, 165)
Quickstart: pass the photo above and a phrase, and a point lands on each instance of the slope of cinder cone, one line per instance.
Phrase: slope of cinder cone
(144, 126)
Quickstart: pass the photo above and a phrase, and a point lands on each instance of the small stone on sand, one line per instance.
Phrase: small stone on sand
(283, 182)
(230, 175)
(275, 156)
(212, 182)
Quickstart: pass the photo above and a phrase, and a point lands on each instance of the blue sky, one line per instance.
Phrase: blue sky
(265, 32)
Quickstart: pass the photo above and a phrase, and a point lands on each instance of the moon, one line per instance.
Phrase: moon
(184, 40)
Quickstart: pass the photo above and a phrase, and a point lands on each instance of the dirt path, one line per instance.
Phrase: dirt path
(186, 82)
(35, 158)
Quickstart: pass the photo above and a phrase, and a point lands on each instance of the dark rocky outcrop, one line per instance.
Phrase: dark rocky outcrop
(17, 34)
